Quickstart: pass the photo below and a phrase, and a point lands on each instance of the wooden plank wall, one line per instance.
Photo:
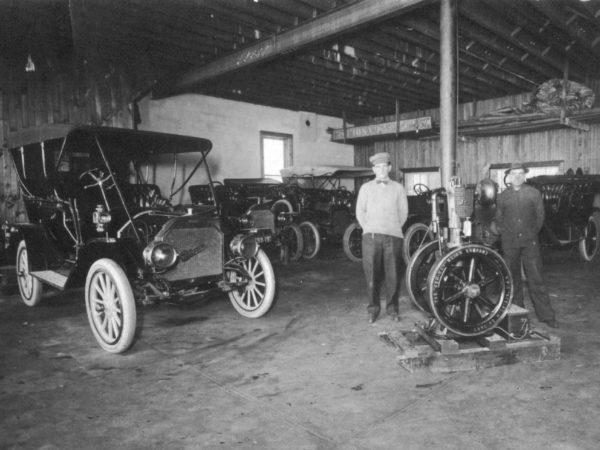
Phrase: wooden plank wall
(475, 154)
(69, 98)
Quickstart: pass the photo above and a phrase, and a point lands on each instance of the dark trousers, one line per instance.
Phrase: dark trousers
(381, 258)
(532, 264)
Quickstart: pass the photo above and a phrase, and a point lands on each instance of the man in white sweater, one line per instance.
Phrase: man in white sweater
(381, 210)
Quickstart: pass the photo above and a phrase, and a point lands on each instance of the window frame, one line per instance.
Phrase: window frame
(288, 149)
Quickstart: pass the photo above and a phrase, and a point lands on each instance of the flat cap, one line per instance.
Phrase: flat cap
(380, 158)
(516, 165)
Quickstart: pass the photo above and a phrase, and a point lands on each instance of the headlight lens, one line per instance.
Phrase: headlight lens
(160, 255)
(246, 221)
(244, 246)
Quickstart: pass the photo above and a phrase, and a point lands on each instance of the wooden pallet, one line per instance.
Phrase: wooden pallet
(419, 350)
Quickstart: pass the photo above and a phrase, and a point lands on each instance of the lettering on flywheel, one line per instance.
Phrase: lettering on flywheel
(470, 290)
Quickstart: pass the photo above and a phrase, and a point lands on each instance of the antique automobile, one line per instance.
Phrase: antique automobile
(261, 200)
(572, 209)
(95, 221)
(325, 196)
(459, 277)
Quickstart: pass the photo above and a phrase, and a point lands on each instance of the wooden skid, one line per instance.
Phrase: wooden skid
(449, 355)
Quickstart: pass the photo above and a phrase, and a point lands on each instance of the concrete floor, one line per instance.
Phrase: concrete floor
(312, 374)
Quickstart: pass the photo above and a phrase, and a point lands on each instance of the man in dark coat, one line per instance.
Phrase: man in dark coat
(519, 219)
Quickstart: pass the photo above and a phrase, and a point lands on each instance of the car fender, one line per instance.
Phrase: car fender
(125, 252)
(43, 253)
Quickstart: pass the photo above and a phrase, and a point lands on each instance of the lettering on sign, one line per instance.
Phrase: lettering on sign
(382, 129)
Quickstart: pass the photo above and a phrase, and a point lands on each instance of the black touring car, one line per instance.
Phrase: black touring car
(94, 220)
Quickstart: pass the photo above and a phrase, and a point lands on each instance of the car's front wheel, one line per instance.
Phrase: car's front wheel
(31, 288)
(110, 306)
(590, 244)
(255, 294)
(352, 242)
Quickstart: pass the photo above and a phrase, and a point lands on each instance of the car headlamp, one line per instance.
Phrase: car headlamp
(160, 255)
(284, 219)
(244, 246)
(247, 221)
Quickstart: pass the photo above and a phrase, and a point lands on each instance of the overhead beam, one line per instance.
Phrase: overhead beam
(324, 27)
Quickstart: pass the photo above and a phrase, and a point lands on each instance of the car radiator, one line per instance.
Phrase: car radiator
(199, 245)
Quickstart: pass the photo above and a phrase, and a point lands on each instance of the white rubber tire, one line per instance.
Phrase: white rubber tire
(31, 288)
(311, 239)
(257, 297)
(110, 306)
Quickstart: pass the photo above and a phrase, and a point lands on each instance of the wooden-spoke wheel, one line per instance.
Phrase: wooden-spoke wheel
(416, 236)
(590, 244)
(256, 294)
(31, 288)
(352, 242)
(417, 272)
(470, 290)
(311, 239)
(110, 306)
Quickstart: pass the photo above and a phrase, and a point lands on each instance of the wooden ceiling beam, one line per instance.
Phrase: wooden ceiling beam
(485, 47)
(390, 81)
(536, 24)
(580, 30)
(346, 80)
(495, 79)
(417, 59)
(299, 82)
(525, 44)
(325, 105)
(322, 28)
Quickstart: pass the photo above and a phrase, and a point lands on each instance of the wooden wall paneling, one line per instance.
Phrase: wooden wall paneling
(60, 98)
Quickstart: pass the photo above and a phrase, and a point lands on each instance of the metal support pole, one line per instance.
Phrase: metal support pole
(448, 89)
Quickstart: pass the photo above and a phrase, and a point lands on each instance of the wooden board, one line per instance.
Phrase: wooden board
(385, 129)
(450, 355)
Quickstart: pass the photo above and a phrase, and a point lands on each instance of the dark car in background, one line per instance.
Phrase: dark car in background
(261, 201)
(324, 197)
(94, 220)
(572, 210)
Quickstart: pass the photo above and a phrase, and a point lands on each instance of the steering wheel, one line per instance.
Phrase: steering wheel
(421, 188)
(104, 182)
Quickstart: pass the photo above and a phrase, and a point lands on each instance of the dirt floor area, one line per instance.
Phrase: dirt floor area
(312, 374)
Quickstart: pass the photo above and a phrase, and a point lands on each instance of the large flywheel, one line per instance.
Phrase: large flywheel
(417, 273)
(470, 290)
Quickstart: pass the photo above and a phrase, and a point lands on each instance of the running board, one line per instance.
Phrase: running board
(51, 277)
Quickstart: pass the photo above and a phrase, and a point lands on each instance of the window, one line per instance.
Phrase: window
(429, 176)
(535, 169)
(276, 153)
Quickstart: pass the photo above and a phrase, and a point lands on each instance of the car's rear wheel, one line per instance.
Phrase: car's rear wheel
(256, 296)
(110, 306)
(352, 242)
(292, 242)
(590, 244)
(311, 239)
(31, 288)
